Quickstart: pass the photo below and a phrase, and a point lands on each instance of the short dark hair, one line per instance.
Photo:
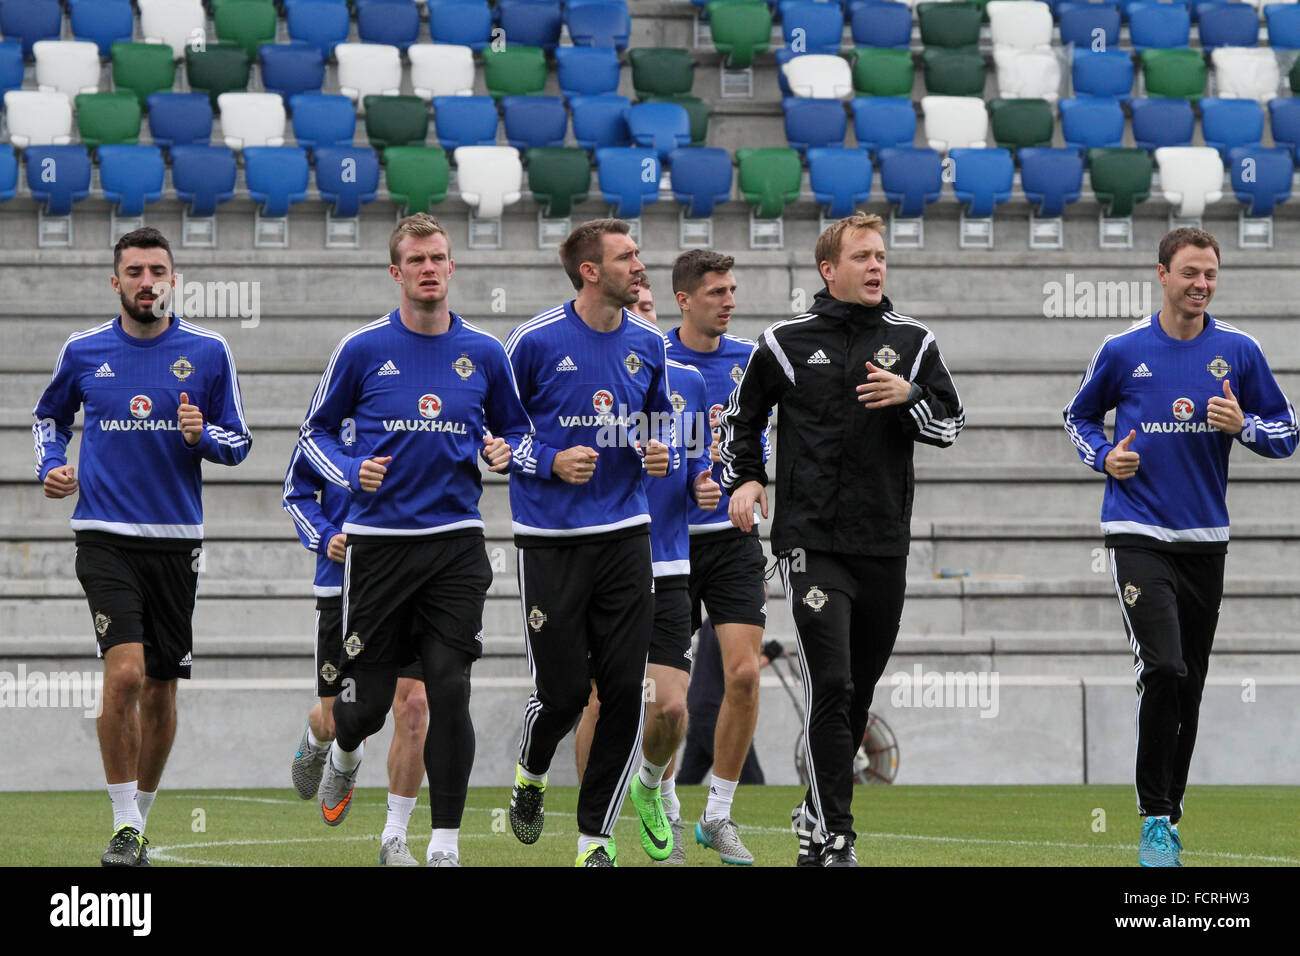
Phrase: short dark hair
(831, 241)
(587, 244)
(1175, 239)
(692, 266)
(419, 226)
(147, 237)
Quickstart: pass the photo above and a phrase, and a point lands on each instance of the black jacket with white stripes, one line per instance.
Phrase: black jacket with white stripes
(844, 477)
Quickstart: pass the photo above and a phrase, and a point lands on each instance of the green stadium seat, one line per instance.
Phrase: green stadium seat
(740, 29)
(1121, 178)
(559, 176)
(1017, 124)
(250, 23)
(396, 121)
(515, 70)
(881, 71)
(108, 118)
(661, 71)
(953, 72)
(417, 176)
(769, 178)
(220, 68)
(1174, 74)
(143, 68)
(217, 5)
(949, 25)
(696, 111)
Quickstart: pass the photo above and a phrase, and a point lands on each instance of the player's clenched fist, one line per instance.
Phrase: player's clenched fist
(190, 419)
(707, 491)
(337, 549)
(1121, 461)
(1225, 413)
(496, 452)
(575, 465)
(60, 482)
(372, 472)
(715, 450)
(656, 459)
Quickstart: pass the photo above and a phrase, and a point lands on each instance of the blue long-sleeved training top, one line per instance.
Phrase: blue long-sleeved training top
(1160, 387)
(424, 400)
(670, 497)
(137, 475)
(722, 370)
(604, 390)
(317, 519)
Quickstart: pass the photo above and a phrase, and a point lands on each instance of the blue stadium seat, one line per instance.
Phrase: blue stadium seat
(1227, 24)
(840, 178)
(1103, 74)
(70, 182)
(982, 179)
(397, 24)
(1283, 25)
(701, 179)
(1051, 179)
(1194, 7)
(881, 23)
(30, 20)
(180, 119)
(912, 179)
(132, 176)
(531, 23)
(659, 126)
(814, 122)
(363, 4)
(599, 23)
(467, 24)
(625, 180)
(348, 177)
(323, 119)
(465, 121)
(1092, 121)
(1079, 20)
(1162, 122)
(587, 70)
(319, 22)
(881, 122)
(204, 177)
(292, 68)
(103, 22)
(1126, 6)
(1284, 123)
(1158, 26)
(9, 172)
(600, 121)
(1269, 179)
(1227, 124)
(276, 176)
(11, 66)
(820, 26)
(534, 121)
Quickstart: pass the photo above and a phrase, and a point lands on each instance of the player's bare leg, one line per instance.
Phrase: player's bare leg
(405, 769)
(665, 726)
(119, 745)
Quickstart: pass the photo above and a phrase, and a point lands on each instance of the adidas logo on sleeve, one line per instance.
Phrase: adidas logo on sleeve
(818, 358)
(567, 364)
(388, 368)
(1142, 371)
(104, 372)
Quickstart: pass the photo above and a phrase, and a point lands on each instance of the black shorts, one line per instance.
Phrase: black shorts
(142, 595)
(670, 642)
(727, 576)
(400, 590)
(329, 648)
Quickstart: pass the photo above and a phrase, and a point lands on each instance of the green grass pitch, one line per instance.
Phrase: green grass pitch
(898, 826)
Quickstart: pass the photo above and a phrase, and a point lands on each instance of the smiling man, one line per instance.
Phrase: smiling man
(857, 385)
(1180, 382)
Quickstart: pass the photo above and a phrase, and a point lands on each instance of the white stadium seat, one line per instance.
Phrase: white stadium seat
(67, 66)
(819, 75)
(1246, 73)
(954, 122)
(1020, 24)
(490, 178)
(441, 69)
(174, 22)
(252, 119)
(37, 118)
(1191, 177)
(367, 69)
(1034, 74)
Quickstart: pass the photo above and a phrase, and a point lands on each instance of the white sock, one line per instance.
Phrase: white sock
(443, 841)
(721, 793)
(668, 793)
(399, 815)
(531, 777)
(144, 801)
(345, 760)
(124, 809)
(585, 841)
(651, 773)
(313, 743)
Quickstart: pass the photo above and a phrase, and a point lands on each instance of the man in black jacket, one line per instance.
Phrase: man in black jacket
(857, 385)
